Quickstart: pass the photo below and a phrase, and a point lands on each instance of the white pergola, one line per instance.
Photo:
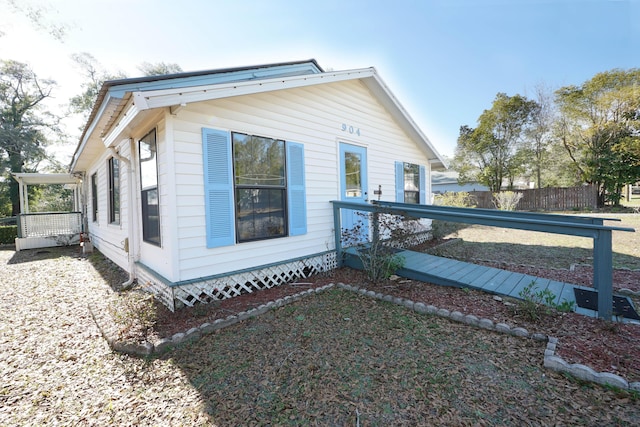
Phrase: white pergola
(26, 179)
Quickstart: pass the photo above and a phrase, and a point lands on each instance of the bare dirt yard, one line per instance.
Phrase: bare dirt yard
(334, 358)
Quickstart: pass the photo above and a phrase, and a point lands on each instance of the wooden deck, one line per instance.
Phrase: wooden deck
(449, 272)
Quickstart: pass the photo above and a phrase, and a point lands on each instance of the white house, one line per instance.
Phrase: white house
(205, 185)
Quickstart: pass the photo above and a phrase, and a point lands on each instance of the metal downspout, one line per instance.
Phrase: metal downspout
(130, 230)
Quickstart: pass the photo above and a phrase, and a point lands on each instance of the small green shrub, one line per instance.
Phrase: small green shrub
(461, 199)
(8, 234)
(534, 305)
(379, 258)
(135, 314)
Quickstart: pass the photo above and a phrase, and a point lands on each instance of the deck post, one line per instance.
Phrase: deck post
(603, 273)
(337, 228)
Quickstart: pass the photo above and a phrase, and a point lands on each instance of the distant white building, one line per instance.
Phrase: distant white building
(447, 181)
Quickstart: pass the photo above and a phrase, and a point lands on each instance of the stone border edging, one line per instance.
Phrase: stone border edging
(551, 361)
(106, 325)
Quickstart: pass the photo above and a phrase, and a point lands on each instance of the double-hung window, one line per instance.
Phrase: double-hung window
(114, 191)
(410, 183)
(260, 187)
(149, 189)
(254, 187)
(94, 196)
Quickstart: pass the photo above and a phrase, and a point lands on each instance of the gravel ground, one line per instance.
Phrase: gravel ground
(58, 370)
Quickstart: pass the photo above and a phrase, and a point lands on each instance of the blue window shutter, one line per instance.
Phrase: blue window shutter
(423, 185)
(218, 187)
(399, 182)
(296, 192)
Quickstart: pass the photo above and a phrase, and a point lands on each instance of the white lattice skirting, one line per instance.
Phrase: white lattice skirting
(216, 288)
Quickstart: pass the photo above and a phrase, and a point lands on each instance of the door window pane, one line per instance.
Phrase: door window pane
(353, 179)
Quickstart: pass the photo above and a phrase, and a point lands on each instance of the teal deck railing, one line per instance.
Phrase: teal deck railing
(582, 226)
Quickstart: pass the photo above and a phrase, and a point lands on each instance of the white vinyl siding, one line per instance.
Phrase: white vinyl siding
(109, 238)
(312, 116)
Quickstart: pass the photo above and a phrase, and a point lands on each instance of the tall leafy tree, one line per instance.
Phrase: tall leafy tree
(158, 68)
(23, 123)
(600, 127)
(491, 152)
(539, 135)
(95, 75)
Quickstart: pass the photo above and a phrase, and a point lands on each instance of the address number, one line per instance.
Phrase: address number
(350, 129)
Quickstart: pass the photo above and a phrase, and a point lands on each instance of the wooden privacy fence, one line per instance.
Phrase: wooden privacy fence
(547, 199)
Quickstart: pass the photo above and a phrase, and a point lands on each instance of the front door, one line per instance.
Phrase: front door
(353, 187)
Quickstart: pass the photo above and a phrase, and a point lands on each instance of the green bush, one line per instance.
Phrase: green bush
(8, 234)
(461, 199)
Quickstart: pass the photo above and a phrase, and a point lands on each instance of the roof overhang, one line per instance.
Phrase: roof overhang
(46, 178)
(117, 115)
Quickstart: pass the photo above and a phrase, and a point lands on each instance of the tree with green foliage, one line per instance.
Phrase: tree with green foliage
(158, 68)
(96, 75)
(492, 152)
(539, 135)
(23, 123)
(600, 128)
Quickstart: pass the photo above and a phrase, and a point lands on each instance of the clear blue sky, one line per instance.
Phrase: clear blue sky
(445, 60)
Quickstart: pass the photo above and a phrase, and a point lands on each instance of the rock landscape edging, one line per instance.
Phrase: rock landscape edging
(551, 361)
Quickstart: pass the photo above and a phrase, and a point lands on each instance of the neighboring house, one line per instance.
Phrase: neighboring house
(205, 185)
(447, 181)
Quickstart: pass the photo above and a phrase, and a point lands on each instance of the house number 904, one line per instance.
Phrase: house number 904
(350, 129)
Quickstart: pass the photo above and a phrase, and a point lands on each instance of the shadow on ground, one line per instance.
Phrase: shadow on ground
(339, 358)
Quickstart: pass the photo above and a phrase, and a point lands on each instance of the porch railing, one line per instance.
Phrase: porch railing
(48, 224)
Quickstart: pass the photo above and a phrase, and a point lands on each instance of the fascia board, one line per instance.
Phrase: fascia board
(382, 92)
(131, 111)
(46, 178)
(108, 102)
(168, 97)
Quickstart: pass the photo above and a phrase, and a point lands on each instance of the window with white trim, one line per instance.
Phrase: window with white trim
(254, 187)
(94, 197)
(114, 191)
(149, 189)
(411, 184)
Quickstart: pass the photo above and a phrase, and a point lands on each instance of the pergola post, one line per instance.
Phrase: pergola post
(24, 196)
